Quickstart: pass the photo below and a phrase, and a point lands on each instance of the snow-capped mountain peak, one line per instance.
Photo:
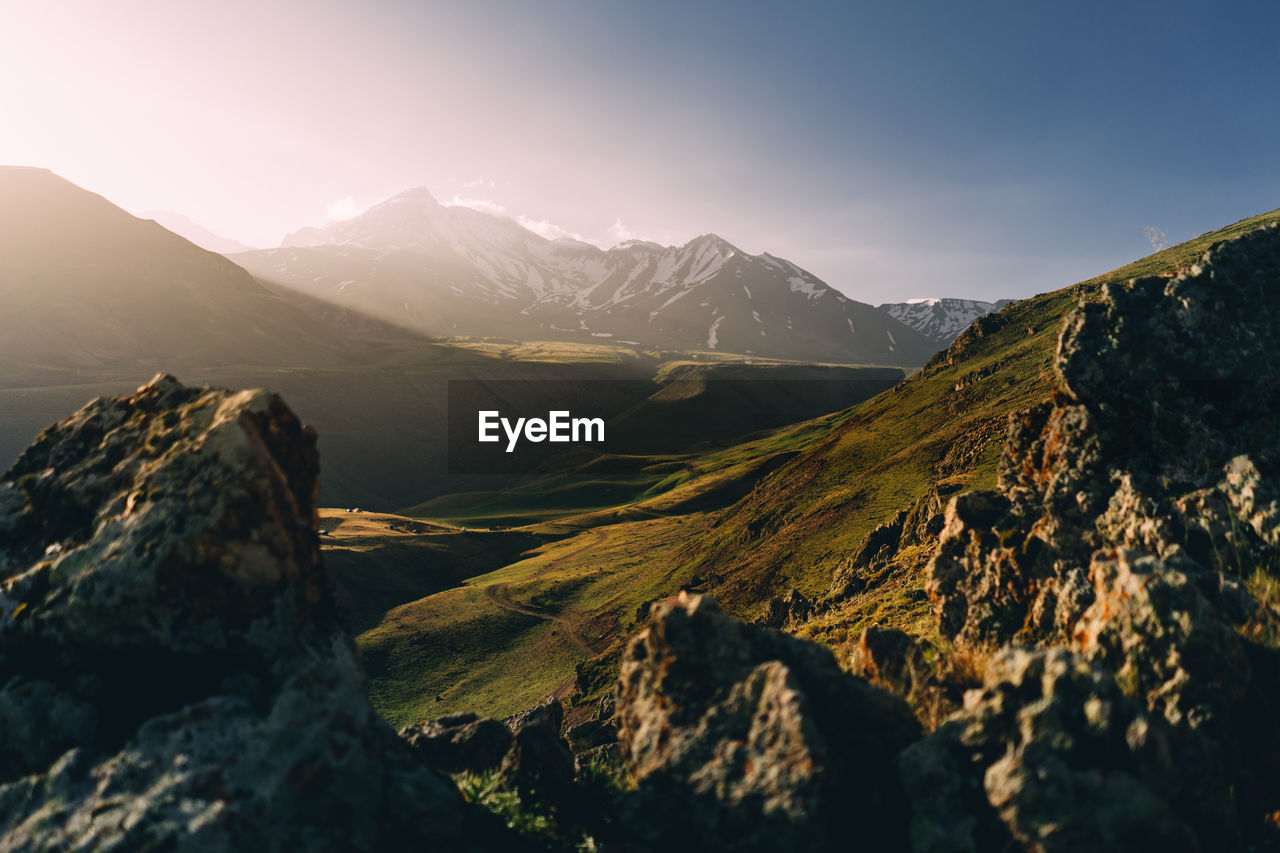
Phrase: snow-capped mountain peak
(452, 270)
(941, 319)
(414, 219)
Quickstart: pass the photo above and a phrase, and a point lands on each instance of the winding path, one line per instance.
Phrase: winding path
(497, 593)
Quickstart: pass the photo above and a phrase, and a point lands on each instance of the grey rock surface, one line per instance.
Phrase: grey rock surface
(1050, 756)
(174, 673)
(1131, 516)
(744, 738)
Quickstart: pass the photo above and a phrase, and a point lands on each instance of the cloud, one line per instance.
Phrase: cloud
(479, 182)
(1156, 236)
(620, 233)
(345, 208)
(550, 230)
(483, 205)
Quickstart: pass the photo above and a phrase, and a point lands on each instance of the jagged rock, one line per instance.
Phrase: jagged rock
(595, 740)
(549, 712)
(1164, 437)
(791, 609)
(1050, 755)
(743, 738)
(881, 550)
(854, 572)
(170, 649)
(1162, 637)
(460, 742)
(1132, 509)
(606, 708)
(890, 657)
(539, 765)
(589, 735)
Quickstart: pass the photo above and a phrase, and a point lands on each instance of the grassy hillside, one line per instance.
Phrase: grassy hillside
(813, 492)
(941, 431)
(504, 638)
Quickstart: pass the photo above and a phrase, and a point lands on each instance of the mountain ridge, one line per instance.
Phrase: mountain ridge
(941, 319)
(184, 227)
(451, 270)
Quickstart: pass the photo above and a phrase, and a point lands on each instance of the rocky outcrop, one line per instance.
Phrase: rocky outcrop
(460, 743)
(879, 553)
(539, 765)
(1049, 754)
(1132, 513)
(782, 611)
(743, 738)
(1163, 439)
(595, 740)
(174, 673)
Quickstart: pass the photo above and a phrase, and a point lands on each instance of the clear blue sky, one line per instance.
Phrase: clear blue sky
(895, 149)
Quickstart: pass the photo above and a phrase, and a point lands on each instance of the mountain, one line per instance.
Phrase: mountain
(88, 287)
(202, 237)
(95, 301)
(941, 320)
(450, 270)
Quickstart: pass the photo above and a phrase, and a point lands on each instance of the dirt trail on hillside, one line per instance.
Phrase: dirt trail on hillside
(497, 593)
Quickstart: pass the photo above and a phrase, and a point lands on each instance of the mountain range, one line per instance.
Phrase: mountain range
(451, 270)
(941, 320)
(88, 287)
(97, 300)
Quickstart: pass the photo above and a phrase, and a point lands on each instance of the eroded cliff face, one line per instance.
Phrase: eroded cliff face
(1133, 536)
(172, 671)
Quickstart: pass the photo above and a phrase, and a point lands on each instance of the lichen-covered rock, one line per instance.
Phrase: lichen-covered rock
(1165, 436)
(1161, 635)
(743, 738)
(169, 649)
(539, 765)
(1134, 508)
(1051, 756)
(460, 743)
(790, 609)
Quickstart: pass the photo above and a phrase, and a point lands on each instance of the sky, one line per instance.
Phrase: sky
(896, 150)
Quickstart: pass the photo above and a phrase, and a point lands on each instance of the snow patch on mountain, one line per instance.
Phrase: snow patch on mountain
(712, 338)
(941, 319)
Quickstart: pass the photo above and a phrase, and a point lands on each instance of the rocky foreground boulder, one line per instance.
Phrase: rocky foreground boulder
(173, 674)
(1135, 532)
(744, 738)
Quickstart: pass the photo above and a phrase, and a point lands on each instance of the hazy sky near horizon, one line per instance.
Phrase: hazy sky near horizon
(896, 150)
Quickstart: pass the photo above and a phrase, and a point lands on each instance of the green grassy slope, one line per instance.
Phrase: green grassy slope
(509, 636)
(943, 428)
(813, 491)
